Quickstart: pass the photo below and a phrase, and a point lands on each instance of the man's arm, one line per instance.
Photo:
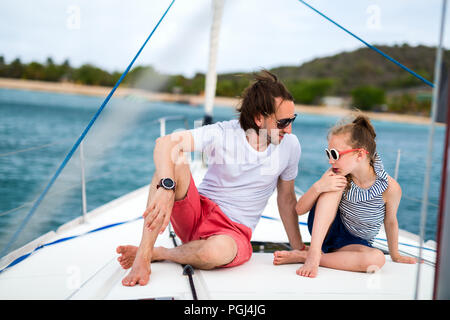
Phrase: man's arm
(167, 153)
(287, 200)
(168, 149)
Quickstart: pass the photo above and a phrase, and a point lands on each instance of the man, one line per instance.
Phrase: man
(248, 159)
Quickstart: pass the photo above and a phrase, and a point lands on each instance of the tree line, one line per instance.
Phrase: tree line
(49, 71)
(361, 78)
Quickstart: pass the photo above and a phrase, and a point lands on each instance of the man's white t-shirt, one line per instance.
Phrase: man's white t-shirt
(240, 179)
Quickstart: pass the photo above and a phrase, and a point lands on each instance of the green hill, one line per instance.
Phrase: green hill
(367, 79)
(364, 67)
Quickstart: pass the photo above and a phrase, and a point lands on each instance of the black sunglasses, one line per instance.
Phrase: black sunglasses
(283, 123)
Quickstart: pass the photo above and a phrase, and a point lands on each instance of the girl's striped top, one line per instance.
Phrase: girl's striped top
(362, 210)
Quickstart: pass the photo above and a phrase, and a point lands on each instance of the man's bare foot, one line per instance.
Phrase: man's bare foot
(128, 254)
(311, 266)
(140, 267)
(139, 274)
(285, 257)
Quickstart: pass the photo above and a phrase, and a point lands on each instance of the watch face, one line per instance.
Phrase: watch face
(168, 183)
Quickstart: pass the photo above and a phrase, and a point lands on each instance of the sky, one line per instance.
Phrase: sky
(254, 34)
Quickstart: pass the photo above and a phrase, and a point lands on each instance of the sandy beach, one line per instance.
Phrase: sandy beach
(64, 87)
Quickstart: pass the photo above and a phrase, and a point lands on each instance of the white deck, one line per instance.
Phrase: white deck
(86, 267)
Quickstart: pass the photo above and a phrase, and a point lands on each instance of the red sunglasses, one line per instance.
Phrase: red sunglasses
(334, 154)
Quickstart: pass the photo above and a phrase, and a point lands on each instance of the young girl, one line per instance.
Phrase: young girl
(348, 205)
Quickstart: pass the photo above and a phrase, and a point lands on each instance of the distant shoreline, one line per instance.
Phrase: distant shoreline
(64, 87)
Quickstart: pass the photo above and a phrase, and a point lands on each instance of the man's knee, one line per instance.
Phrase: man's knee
(217, 251)
(182, 179)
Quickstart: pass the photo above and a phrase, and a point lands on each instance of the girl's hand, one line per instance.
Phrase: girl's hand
(404, 259)
(330, 182)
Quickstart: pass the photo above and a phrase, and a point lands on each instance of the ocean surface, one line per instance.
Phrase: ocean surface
(38, 129)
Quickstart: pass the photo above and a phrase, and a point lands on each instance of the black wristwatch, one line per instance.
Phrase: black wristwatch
(167, 184)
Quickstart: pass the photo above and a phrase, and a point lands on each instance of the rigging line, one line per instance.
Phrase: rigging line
(371, 46)
(434, 109)
(32, 148)
(60, 191)
(83, 134)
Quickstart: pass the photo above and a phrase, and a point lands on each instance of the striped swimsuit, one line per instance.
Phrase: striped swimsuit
(362, 210)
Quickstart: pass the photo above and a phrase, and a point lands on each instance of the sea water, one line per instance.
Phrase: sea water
(38, 129)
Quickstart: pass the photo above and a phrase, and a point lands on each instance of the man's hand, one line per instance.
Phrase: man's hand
(157, 214)
(330, 182)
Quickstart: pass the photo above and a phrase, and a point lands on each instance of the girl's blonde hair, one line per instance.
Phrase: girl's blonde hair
(361, 133)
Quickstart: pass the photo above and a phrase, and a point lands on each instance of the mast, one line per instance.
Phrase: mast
(211, 76)
(442, 273)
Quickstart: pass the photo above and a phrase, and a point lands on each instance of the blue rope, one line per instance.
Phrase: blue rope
(77, 143)
(25, 256)
(372, 47)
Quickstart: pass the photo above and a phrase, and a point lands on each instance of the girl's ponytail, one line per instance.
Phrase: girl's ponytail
(361, 133)
(364, 122)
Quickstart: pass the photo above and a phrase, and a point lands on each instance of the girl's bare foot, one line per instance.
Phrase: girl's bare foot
(311, 266)
(285, 257)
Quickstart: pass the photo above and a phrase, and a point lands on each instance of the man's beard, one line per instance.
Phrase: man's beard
(270, 136)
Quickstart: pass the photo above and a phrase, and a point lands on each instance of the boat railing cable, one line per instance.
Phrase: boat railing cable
(426, 184)
(82, 136)
(371, 46)
(163, 120)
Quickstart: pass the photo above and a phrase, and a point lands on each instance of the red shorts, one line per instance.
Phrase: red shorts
(197, 217)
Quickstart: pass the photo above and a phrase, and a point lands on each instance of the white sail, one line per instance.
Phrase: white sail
(211, 76)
